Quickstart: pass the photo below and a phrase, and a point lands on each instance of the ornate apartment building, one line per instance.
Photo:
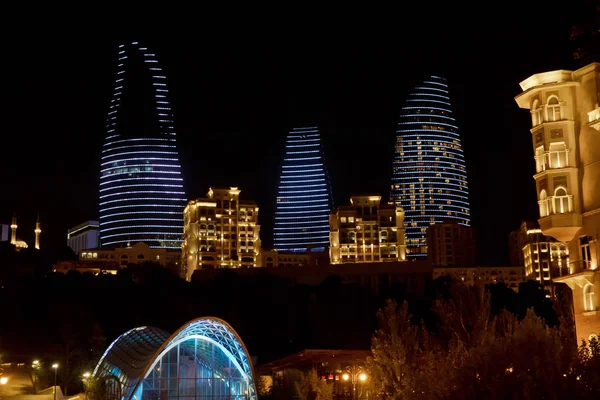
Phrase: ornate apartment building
(565, 135)
(367, 231)
(220, 231)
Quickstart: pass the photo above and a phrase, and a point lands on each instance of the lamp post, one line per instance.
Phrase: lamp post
(355, 374)
(86, 376)
(55, 367)
(34, 366)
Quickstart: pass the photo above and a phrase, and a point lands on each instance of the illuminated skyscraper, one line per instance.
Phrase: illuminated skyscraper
(429, 175)
(304, 199)
(141, 188)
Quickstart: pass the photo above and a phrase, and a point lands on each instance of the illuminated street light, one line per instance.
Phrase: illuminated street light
(354, 373)
(55, 366)
(35, 364)
(86, 376)
(3, 380)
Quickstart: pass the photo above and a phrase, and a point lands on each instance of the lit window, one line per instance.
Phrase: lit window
(553, 109)
(588, 298)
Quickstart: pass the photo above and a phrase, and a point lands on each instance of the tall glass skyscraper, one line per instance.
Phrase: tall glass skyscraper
(304, 199)
(429, 176)
(141, 186)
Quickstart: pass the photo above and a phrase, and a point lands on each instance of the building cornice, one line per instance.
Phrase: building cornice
(553, 171)
(523, 98)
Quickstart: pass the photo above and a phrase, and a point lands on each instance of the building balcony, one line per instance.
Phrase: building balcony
(552, 160)
(594, 118)
(562, 227)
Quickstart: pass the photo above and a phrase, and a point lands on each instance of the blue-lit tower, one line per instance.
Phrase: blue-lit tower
(304, 199)
(429, 176)
(141, 186)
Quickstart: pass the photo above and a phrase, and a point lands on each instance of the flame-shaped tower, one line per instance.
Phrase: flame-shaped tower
(304, 199)
(429, 174)
(141, 185)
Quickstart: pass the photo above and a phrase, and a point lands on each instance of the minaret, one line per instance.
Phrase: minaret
(13, 229)
(37, 231)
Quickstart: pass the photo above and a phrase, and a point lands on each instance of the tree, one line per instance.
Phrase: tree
(471, 353)
(263, 388)
(311, 387)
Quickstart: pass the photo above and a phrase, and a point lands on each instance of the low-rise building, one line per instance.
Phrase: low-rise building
(84, 236)
(92, 266)
(484, 275)
(136, 254)
(314, 256)
(111, 259)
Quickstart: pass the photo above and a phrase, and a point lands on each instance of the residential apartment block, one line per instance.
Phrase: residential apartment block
(367, 231)
(220, 231)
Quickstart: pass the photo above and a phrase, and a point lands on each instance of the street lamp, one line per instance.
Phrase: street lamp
(86, 376)
(35, 364)
(355, 373)
(55, 366)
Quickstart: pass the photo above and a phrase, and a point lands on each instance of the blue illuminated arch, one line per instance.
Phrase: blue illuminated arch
(209, 344)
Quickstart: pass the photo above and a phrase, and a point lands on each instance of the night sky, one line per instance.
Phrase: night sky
(236, 91)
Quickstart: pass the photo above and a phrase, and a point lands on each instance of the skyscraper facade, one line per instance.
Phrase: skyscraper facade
(429, 175)
(304, 199)
(141, 186)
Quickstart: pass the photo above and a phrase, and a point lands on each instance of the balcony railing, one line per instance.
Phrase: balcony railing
(556, 205)
(579, 266)
(552, 160)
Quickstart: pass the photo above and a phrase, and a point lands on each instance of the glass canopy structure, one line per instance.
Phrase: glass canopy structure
(204, 359)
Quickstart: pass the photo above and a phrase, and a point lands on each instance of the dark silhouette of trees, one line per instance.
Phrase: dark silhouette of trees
(478, 350)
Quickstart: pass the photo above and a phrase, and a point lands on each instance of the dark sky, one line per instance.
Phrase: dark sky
(237, 89)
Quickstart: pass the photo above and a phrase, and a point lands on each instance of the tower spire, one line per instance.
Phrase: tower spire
(37, 231)
(13, 229)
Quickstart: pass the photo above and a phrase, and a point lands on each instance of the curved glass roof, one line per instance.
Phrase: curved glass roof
(133, 355)
(127, 357)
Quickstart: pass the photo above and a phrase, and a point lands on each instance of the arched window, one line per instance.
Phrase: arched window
(558, 155)
(588, 298)
(540, 159)
(543, 202)
(553, 109)
(561, 203)
(536, 113)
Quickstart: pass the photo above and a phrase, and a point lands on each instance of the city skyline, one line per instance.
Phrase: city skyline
(250, 95)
